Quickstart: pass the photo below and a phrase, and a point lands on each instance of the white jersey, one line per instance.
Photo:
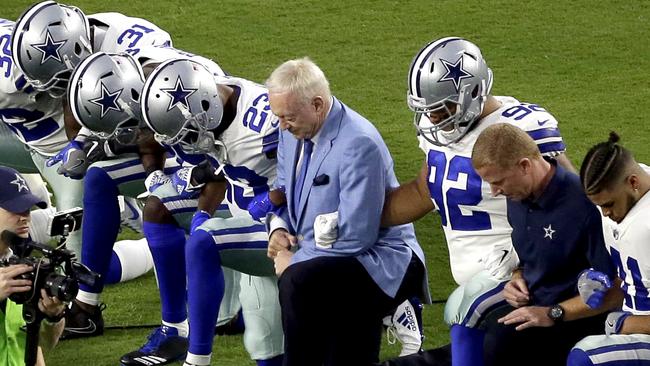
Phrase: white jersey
(249, 145)
(36, 118)
(627, 243)
(475, 223)
(115, 32)
(158, 54)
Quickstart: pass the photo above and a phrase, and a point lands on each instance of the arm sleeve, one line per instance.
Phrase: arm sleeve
(361, 197)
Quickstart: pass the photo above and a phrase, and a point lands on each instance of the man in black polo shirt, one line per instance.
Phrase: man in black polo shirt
(557, 234)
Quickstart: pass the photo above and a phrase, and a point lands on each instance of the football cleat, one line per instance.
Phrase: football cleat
(131, 215)
(163, 346)
(80, 323)
(405, 325)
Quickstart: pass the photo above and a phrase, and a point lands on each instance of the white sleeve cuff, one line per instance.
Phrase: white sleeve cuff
(276, 222)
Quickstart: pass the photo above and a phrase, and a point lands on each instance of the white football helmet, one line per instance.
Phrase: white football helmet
(104, 93)
(181, 104)
(48, 41)
(450, 78)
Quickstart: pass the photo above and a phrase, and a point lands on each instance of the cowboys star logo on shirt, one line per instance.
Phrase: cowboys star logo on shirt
(548, 232)
(615, 233)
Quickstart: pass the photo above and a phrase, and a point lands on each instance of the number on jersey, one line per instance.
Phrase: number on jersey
(469, 195)
(522, 110)
(133, 35)
(640, 301)
(5, 58)
(29, 124)
(256, 115)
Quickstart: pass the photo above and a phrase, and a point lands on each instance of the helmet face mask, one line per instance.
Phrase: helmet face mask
(48, 41)
(104, 95)
(193, 137)
(449, 82)
(181, 104)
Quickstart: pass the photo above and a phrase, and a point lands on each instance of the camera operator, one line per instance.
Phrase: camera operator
(16, 200)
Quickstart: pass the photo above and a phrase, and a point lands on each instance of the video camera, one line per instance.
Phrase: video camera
(55, 270)
(45, 273)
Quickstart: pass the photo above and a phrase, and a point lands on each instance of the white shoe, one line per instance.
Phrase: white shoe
(403, 326)
(131, 214)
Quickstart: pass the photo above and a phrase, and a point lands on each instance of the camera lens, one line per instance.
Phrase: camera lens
(63, 287)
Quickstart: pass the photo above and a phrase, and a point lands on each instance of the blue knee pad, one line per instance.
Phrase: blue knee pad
(578, 357)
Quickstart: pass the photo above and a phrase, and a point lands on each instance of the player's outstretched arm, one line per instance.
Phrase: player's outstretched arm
(408, 202)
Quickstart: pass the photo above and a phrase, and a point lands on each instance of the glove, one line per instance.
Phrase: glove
(156, 179)
(261, 205)
(189, 180)
(198, 219)
(592, 286)
(97, 149)
(614, 322)
(500, 262)
(73, 158)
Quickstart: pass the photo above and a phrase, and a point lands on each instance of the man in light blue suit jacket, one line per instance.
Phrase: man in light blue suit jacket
(339, 271)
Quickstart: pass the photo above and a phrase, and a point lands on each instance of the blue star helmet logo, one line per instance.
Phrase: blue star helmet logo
(107, 101)
(455, 72)
(178, 94)
(49, 48)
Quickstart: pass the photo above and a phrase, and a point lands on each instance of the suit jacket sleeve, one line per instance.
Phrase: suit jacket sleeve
(362, 193)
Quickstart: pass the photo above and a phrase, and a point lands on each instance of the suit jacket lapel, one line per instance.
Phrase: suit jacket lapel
(329, 132)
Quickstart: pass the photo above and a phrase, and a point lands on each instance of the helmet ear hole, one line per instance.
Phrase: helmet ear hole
(77, 49)
(205, 105)
(135, 95)
(475, 92)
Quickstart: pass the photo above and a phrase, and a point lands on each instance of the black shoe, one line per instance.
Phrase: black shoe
(80, 323)
(163, 346)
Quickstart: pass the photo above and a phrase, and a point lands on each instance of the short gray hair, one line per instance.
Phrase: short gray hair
(302, 77)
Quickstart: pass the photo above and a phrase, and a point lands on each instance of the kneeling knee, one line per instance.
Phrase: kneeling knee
(578, 357)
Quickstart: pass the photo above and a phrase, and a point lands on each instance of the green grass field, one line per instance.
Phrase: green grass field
(587, 62)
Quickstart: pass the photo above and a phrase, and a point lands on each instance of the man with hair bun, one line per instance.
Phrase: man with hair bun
(615, 182)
